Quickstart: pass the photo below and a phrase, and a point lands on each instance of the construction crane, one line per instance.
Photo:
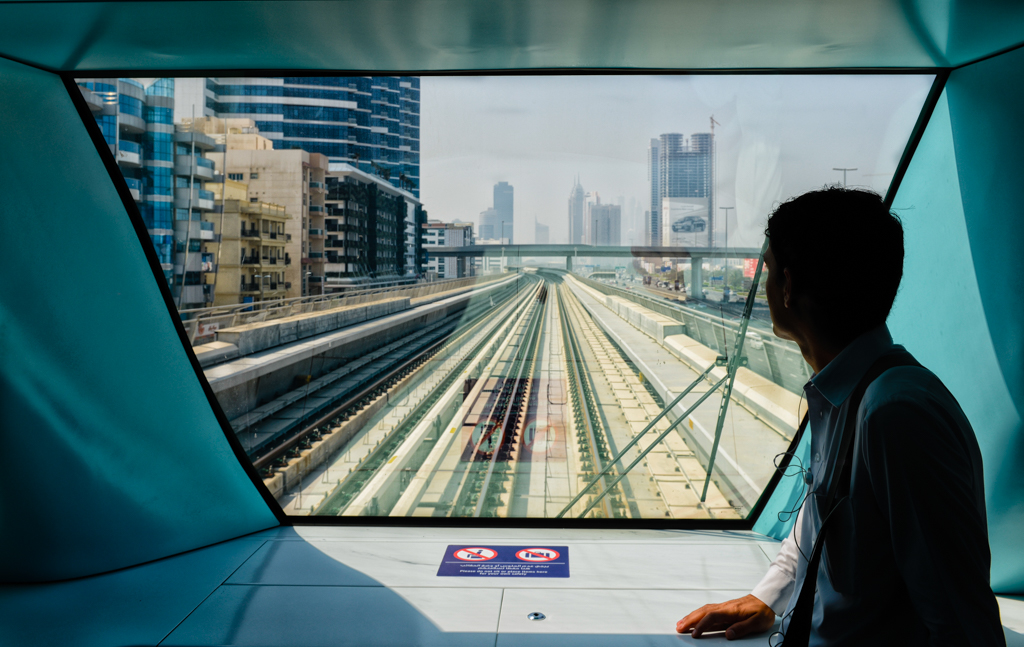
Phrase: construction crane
(713, 122)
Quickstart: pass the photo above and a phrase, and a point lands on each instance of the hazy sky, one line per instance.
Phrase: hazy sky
(779, 136)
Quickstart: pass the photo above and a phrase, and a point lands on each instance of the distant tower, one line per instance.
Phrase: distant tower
(577, 198)
(488, 224)
(503, 201)
(681, 169)
(652, 226)
(542, 233)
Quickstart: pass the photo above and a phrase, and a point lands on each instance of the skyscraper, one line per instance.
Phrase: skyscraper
(488, 229)
(681, 169)
(165, 171)
(371, 123)
(541, 233)
(605, 224)
(503, 203)
(577, 199)
(652, 226)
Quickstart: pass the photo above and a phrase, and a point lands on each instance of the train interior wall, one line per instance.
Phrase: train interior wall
(126, 521)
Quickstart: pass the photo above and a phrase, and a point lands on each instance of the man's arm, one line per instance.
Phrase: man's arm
(756, 612)
(925, 473)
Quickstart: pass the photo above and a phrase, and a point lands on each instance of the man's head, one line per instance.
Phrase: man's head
(835, 261)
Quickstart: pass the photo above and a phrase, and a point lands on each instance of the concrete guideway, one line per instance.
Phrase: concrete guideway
(749, 444)
(364, 434)
(666, 483)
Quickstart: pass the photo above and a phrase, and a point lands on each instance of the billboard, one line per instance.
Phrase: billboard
(685, 222)
(749, 267)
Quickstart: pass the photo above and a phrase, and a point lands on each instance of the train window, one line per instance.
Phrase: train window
(494, 296)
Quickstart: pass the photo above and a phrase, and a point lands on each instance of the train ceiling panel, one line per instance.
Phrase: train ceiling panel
(415, 35)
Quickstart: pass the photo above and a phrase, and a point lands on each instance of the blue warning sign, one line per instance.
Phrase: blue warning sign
(505, 561)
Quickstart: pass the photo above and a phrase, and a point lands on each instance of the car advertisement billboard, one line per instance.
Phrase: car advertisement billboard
(685, 222)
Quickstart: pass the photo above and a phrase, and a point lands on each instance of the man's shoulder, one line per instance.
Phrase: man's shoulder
(912, 398)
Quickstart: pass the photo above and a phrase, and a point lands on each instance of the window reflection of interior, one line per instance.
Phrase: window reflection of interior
(374, 361)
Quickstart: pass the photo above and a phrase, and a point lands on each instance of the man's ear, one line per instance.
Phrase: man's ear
(787, 289)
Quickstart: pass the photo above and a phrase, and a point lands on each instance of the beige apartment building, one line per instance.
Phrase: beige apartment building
(291, 179)
(249, 247)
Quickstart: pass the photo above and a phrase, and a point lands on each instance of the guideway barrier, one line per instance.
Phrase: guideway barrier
(726, 382)
(777, 360)
(775, 405)
(203, 325)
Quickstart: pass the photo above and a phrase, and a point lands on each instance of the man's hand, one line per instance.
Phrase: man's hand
(746, 615)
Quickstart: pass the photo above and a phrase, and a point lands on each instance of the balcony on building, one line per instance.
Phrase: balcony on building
(316, 233)
(206, 231)
(128, 153)
(316, 186)
(202, 200)
(95, 102)
(193, 294)
(134, 187)
(195, 230)
(184, 136)
(200, 167)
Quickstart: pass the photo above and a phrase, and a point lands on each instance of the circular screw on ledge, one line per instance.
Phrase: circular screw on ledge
(536, 615)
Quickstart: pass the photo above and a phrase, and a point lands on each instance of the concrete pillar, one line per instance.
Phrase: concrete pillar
(694, 290)
(568, 263)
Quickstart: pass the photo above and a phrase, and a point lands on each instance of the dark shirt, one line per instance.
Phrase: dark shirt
(907, 558)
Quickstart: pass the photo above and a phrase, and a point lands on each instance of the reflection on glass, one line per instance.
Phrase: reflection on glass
(512, 353)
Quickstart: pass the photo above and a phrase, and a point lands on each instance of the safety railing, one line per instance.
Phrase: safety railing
(201, 323)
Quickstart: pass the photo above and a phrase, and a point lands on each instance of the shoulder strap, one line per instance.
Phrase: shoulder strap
(799, 631)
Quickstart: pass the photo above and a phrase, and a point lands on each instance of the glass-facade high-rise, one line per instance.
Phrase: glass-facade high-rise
(503, 209)
(678, 168)
(372, 123)
(161, 168)
(137, 124)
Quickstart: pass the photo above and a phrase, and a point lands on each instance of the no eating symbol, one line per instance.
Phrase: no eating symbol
(537, 555)
(475, 554)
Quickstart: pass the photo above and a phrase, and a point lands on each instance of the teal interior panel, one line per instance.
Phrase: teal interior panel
(939, 315)
(779, 515)
(133, 606)
(114, 454)
(461, 34)
(985, 102)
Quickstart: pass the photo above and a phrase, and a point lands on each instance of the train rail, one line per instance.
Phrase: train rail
(512, 415)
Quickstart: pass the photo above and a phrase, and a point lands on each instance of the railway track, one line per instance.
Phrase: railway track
(512, 416)
(280, 430)
(377, 482)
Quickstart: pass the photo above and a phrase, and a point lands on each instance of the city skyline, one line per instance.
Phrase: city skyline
(777, 136)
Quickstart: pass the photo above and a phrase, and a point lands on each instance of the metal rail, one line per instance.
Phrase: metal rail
(505, 404)
(521, 392)
(637, 438)
(350, 487)
(582, 396)
(381, 383)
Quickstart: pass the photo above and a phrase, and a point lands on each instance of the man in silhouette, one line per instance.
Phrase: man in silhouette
(905, 557)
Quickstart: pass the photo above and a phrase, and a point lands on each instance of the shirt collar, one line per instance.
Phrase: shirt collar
(838, 379)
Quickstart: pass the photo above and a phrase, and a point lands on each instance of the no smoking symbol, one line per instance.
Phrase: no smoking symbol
(537, 555)
(475, 554)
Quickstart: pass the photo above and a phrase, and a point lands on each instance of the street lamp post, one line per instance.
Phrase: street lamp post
(725, 261)
(262, 276)
(844, 170)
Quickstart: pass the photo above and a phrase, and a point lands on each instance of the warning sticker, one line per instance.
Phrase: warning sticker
(475, 554)
(537, 555)
(505, 561)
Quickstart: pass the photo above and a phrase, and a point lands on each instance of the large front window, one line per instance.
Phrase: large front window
(602, 349)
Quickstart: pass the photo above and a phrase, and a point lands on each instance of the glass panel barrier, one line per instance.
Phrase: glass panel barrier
(560, 315)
